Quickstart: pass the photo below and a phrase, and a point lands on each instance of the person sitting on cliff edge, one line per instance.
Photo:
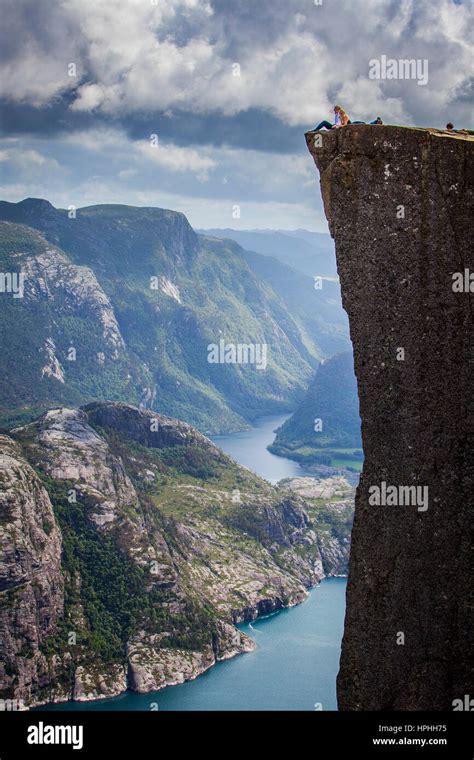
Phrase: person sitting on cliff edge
(341, 119)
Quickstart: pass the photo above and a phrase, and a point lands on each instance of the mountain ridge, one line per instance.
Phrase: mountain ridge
(310, 253)
(172, 293)
(325, 427)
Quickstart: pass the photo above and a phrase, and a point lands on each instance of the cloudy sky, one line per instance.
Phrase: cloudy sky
(228, 88)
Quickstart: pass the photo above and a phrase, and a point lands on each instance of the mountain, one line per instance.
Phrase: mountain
(315, 307)
(400, 205)
(123, 303)
(61, 342)
(325, 428)
(132, 546)
(311, 253)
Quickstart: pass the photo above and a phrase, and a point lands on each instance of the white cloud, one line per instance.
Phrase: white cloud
(96, 139)
(88, 97)
(178, 54)
(177, 159)
(164, 154)
(27, 159)
(127, 174)
(137, 59)
(272, 169)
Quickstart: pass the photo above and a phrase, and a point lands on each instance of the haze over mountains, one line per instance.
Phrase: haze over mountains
(311, 253)
(121, 303)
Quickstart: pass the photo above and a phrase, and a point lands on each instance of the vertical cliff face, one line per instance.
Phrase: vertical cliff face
(31, 581)
(400, 205)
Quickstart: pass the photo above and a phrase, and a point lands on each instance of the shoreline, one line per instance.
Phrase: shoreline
(228, 656)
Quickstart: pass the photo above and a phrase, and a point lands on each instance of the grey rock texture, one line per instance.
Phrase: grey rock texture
(400, 205)
(50, 276)
(146, 427)
(31, 582)
(110, 488)
(330, 506)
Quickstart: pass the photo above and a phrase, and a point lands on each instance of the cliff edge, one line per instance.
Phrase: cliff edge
(400, 205)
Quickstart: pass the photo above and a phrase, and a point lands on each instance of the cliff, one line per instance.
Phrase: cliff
(400, 204)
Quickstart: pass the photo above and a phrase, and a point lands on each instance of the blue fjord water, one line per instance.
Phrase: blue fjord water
(250, 449)
(295, 664)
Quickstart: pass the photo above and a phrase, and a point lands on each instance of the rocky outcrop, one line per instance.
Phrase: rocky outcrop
(66, 448)
(50, 276)
(52, 367)
(159, 559)
(147, 428)
(400, 204)
(312, 488)
(151, 667)
(31, 582)
(93, 683)
(330, 506)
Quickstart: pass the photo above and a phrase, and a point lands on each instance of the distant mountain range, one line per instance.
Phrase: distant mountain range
(311, 253)
(325, 428)
(290, 261)
(122, 303)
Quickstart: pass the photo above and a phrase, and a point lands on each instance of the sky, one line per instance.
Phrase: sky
(201, 105)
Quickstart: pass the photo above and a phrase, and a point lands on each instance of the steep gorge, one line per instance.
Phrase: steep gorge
(131, 546)
(400, 205)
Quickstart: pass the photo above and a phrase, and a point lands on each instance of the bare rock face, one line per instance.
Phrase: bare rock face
(152, 667)
(94, 683)
(170, 560)
(50, 276)
(400, 204)
(31, 582)
(331, 507)
(146, 427)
